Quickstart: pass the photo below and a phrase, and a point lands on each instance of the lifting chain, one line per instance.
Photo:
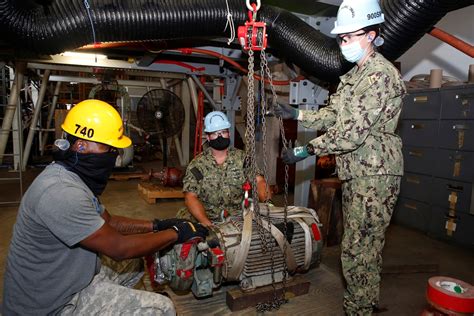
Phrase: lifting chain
(266, 238)
(277, 301)
(251, 157)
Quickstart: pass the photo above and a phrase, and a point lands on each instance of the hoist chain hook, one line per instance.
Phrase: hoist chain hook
(254, 7)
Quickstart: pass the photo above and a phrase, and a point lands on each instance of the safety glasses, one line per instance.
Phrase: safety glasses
(224, 133)
(346, 38)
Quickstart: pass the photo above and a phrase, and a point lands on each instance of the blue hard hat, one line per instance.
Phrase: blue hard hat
(215, 121)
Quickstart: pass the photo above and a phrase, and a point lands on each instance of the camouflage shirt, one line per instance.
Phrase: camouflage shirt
(218, 187)
(360, 121)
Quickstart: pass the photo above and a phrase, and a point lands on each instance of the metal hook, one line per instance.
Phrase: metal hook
(249, 6)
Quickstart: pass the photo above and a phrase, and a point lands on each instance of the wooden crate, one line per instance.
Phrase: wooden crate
(237, 299)
(151, 191)
(127, 175)
(325, 197)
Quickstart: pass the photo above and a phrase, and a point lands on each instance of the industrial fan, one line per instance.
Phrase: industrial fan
(160, 114)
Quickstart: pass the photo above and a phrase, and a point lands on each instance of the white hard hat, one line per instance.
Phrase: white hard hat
(215, 121)
(354, 15)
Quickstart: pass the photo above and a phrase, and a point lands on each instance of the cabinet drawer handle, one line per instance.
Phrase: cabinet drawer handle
(417, 126)
(413, 180)
(415, 153)
(420, 99)
(465, 96)
(410, 206)
(448, 216)
(457, 188)
(461, 126)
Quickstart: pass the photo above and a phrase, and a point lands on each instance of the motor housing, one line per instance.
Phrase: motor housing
(240, 249)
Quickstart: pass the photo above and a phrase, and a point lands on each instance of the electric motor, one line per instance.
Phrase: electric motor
(247, 248)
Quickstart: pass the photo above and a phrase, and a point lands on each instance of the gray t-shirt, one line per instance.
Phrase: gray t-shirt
(45, 265)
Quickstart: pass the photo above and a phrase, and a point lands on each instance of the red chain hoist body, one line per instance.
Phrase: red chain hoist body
(253, 32)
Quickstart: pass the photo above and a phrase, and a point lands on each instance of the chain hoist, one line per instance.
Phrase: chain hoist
(253, 37)
(251, 162)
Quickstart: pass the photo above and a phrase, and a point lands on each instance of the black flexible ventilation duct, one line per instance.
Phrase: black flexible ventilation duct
(406, 21)
(54, 26)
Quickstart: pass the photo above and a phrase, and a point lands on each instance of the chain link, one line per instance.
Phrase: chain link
(268, 243)
(250, 158)
(285, 210)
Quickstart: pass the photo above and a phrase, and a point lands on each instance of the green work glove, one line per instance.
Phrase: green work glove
(187, 231)
(285, 111)
(293, 155)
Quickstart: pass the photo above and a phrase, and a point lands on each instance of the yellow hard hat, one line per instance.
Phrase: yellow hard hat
(96, 121)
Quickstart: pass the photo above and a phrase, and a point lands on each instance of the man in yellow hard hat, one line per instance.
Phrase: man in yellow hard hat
(53, 265)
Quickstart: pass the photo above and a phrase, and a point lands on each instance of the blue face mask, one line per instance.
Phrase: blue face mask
(353, 52)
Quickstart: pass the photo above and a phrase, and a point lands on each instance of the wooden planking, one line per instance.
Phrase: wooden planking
(410, 268)
(151, 191)
(236, 299)
(325, 198)
(324, 298)
(124, 176)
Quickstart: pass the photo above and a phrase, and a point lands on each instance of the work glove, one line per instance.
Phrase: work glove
(293, 155)
(285, 111)
(163, 224)
(187, 230)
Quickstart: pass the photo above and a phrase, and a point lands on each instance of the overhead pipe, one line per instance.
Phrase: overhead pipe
(57, 26)
(11, 107)
(189, 51)
(452, 40)
(230, 61)
(34, 121)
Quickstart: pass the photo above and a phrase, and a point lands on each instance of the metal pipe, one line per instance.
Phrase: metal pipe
(177, 143)
(186, 98)
(52, 109)
(34, 121)
(187, 51)
(95, 81)
(193, 93)
(452, 40)
(206, 94)
(11, 107)
(17, 135)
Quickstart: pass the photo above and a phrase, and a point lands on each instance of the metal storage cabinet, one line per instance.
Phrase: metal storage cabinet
(437, 191)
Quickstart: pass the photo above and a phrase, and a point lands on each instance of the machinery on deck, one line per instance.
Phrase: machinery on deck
(236, 251)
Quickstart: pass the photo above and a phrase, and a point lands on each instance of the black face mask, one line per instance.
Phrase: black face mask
(93, 169)
(220, 143)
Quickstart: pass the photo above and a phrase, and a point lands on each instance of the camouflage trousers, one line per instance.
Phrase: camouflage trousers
(110, 293)
(368, 204)
(184, 213)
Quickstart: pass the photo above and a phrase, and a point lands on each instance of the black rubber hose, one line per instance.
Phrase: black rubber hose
(406, 21)
(65, 25)
(54, 26)
(308, 48)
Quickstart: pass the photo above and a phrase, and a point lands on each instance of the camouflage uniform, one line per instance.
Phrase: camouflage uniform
(218, 187)
(111, 293)
(360, 123)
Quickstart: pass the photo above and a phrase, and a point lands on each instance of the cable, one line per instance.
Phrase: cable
(88, 7)
(230, 23)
